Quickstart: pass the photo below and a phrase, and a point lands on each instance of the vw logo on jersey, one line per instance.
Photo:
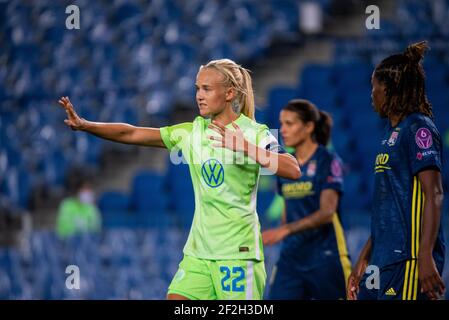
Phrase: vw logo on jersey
(213, 173)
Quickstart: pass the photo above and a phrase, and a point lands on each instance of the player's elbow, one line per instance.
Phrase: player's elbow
(294, 171)
(435, 197)
(327, 216)
(438, 198)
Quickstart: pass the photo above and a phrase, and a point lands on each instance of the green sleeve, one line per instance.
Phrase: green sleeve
(176, 135)
(262, 133)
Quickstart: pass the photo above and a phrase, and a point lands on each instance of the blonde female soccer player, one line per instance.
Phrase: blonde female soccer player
(225, 149)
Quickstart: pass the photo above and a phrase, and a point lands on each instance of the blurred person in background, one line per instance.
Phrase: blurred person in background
(406, 242)
(78, 213)
(314, 261)
(223, 256)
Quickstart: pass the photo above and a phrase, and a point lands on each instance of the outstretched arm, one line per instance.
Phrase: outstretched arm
(118, 132)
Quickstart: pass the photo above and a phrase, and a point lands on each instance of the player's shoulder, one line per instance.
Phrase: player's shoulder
(200, 120)
(252, 123)
(199, 123)
(421, 122)
(252, 128)
(327, 154)
(330, 161)
(419, 126)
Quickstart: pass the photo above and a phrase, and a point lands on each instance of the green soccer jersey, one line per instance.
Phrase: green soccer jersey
(225, 223)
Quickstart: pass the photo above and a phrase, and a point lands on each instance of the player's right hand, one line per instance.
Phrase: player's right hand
(73, 120)
(353, 286)
(273, 236)
(430, 280)
(352, 289)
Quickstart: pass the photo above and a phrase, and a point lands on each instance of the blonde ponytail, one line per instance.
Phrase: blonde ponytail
(248, 97)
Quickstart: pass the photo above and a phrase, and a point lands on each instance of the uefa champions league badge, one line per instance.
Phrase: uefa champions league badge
(336, 172)
(423, 138)
(336, 168)
(393, 138)
(311, 168)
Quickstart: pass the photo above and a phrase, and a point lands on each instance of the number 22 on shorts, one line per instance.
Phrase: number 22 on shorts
(238, 275)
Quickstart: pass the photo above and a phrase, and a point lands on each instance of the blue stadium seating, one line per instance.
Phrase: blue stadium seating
(146, 187)
(278, 98)
(135, 62)
(158, 57)
(114, 201)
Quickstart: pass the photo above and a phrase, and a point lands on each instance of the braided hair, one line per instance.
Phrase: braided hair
(403, 76)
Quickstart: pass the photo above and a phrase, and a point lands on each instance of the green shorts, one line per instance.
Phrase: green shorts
(200, 279)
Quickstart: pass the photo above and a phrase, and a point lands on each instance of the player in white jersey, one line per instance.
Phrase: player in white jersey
(225, 149)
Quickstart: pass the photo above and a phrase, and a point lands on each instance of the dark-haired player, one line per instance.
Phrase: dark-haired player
(406, 240)
(314, 261)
